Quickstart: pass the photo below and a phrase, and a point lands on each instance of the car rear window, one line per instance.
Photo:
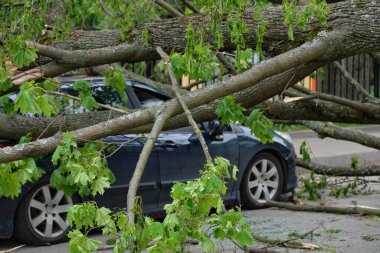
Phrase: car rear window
(102, 94)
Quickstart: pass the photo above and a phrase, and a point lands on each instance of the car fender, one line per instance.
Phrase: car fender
(245, 159)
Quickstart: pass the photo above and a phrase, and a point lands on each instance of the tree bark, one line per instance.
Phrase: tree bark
(162, 115)
(367, 108)
(340, 133)
(89, 48)
(370, 170)
(161, 33)
(317, 110)
(302, 55)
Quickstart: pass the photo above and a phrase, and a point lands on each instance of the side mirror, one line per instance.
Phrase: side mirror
(216, 130)
(193, 138)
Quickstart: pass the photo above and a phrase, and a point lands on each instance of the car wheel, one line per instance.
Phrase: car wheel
(42, 216)
(263, 179)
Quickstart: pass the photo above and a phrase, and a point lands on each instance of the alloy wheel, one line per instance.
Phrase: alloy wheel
(263, 180)
(48, 211)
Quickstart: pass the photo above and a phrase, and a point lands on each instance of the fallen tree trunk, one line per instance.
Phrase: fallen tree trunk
(327, 209)
(90, 48)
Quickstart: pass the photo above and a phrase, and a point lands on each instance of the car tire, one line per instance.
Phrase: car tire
(262, 179)
(41, 217)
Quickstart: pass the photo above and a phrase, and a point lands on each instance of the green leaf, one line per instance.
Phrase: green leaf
(244, 238)
(26, 101)
(24, 56)
(99, 185)
(103, 216)
(243, 58)
(156, 230)
(6, 104)
(89, 102)
(305, 151)
(230, 111)
(115, 78)
(207, 244)
(5, 85)
(81, 178)
(81, 85)
(235, 170)
(4, 82)
(260, 126)
(10, 185)
(47, 108)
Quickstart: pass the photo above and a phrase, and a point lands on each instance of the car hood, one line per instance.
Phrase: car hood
(278, 136)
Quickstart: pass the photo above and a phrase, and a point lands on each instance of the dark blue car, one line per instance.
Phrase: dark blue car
(38, 215)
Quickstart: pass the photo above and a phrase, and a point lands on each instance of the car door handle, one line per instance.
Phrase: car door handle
(169, 145)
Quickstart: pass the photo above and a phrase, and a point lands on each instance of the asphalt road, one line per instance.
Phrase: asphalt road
(332, 232)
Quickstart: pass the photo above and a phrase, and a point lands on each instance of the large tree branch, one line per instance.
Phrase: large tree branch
(368, 108)
(21, 125)
(340, 133)
(316, 110)
(302, 55)
(162, 115)
(370, 170)
(320, 110)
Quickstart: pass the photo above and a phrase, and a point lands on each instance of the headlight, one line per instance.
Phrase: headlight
(285, 136)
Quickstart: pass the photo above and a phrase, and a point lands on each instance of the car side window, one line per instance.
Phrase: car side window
(226, 128)
(147, 98)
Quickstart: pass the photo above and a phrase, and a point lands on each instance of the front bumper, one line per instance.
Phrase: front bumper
(292, 177)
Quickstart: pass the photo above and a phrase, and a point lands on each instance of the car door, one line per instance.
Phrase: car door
(181, 156)
(123, 163)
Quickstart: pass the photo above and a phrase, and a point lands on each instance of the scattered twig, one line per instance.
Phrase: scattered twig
(13, 249)
(290, 243)
(58, 117)
(162, 116)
